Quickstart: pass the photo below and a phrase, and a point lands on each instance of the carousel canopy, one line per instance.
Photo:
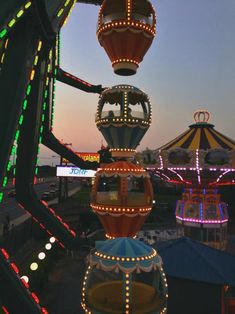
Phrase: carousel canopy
(126, 255)
(200, 156)
(202, 136)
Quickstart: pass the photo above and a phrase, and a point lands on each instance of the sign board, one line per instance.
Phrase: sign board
(86, 156)
(74, 172)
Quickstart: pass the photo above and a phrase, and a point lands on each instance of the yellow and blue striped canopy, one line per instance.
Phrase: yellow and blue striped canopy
(200, 136)
(126, 254)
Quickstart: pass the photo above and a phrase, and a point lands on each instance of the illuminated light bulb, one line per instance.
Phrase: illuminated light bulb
(52, 239)
(34, 266)
(48, 246)
(41, 255)
(25, 278)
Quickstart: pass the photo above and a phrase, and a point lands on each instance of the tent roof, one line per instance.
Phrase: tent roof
(200, 136)
(189, 259)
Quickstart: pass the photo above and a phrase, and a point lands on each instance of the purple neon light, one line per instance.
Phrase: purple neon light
(195, 169)
(198, 167)
(201, 211)
(221, 211)
(202, 221)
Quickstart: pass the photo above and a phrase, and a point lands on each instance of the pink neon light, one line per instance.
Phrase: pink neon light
(5, 254)
(15, 268)
(44, 203)
(179, 176)
(77, 79)
(24, 283)
(174, 181)
(21, 206)
(35, 297)
(73, 233)
(5, 310)
(202, 221)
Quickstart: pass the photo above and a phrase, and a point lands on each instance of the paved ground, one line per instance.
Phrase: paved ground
(62, 295)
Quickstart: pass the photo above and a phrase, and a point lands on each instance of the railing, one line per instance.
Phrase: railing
(143, 19)
(113, 198)
(117, 114)
(122, 16)
(152, 236)
(112, 17)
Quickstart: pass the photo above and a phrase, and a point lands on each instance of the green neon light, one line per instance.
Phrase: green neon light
(36, 171)
(3, 33)
(41, 129)
(55, 71)
(66, 3)
(57, 50)
(17, 135)
(4, 182)
(25, 104)
(60, 12)
(43, 117)
(21, 119)
(40, 139)
(28, 90)
(20, 13)
(38, 149)
(13, 150)
(45, 94)
(9, 166)
(1, 196)
(28, 5)
(14, 171)
(44, 105)
(35, 60)
(11, 23)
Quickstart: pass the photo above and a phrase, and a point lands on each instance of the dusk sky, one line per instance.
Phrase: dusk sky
(190, 66)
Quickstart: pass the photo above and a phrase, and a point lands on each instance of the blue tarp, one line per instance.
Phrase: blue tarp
(189, 259)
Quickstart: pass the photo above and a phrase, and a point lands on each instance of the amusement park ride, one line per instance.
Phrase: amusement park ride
(201, 159)
(122, 194)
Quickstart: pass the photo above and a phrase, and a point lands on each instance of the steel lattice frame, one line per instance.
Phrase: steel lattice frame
(29, 68)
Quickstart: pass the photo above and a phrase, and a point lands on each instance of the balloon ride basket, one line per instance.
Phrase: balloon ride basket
(108, 298)
(125, 68)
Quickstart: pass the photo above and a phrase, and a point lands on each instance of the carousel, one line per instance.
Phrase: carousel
(201, 159)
